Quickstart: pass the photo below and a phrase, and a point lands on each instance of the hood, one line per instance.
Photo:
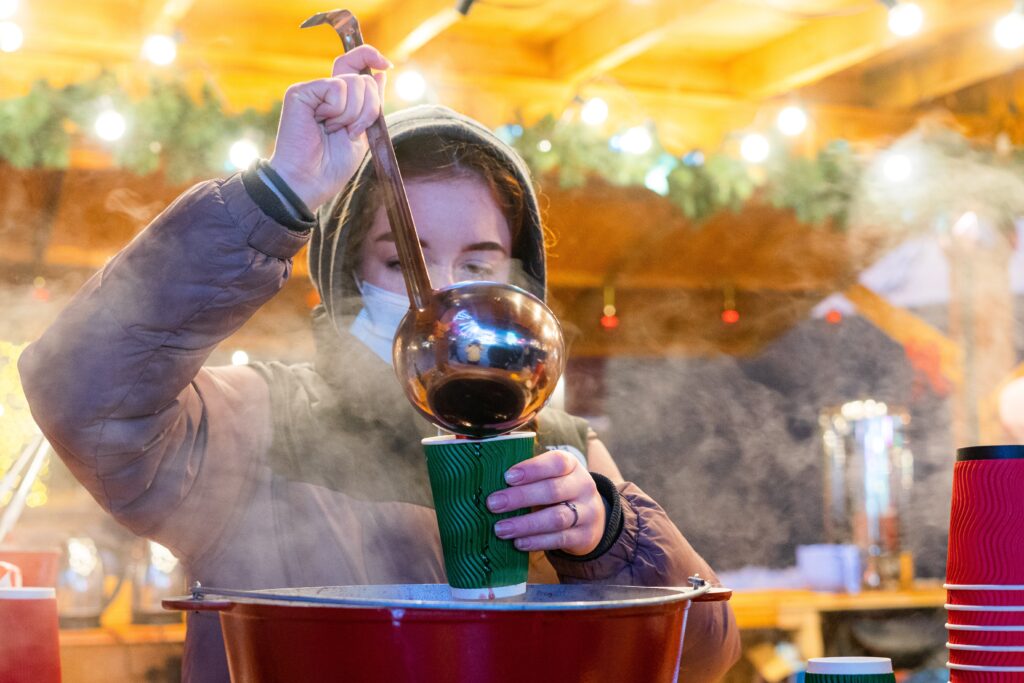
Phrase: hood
(331, 257)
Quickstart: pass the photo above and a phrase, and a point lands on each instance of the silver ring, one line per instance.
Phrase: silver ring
(575, 513)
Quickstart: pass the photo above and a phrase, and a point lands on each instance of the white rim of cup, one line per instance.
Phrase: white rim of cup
(985, 648)
(31, 593)
(966, 627)
(854, 666)
(442, 440)
(983, 608)
(980, 587)
(994, 669)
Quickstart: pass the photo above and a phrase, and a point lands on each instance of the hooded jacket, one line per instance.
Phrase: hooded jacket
(272, 476)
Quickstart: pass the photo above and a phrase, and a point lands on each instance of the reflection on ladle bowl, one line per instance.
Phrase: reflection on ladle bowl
(482, 360)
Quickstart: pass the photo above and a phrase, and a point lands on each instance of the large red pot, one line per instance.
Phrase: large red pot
(378, 634)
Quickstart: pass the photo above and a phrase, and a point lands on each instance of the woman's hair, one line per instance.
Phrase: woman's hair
(429, 157)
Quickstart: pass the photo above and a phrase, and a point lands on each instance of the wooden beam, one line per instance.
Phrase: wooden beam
(908, 330)
(615, 35)
(830, 45)
(404, 26)
(964, 61)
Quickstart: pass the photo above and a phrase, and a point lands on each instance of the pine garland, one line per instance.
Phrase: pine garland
(189, 138)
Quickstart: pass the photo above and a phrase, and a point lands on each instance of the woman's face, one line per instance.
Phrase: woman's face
(463, 233)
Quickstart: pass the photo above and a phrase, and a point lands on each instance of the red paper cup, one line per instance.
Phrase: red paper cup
(986, 526)
(970, 615)
(29, 649)
(1000, 598)
(981, 655)
(986, 635)
(38, 567)
(961, 676)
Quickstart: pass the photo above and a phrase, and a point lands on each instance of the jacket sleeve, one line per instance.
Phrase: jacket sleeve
(116, 383)
(651, 551)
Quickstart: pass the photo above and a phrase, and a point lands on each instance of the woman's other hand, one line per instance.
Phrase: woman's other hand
(545, 483)
(320, 139)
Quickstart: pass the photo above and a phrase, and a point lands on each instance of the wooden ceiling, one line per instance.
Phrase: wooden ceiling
(698, 69)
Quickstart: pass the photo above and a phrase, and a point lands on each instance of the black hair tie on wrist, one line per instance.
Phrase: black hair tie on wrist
(287, 191)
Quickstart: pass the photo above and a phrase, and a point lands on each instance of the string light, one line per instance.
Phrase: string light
(544, 146)
(609, 314)
(1009, 31)
(834, 317)
(239, 358)
(160, 49)
(110, 125)
(8, 8)
(755, 148)
(792, 121)
(410, 86)
(635, 140)
(905, 18)
(11, 36)
(730, 314)
(243, 153)
(897, 167)
(594, 112)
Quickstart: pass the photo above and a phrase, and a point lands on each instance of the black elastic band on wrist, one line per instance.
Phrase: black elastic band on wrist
(269, 203)
(287, 191)
(613, 523)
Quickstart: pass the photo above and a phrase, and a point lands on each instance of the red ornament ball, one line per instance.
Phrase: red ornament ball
(609, 322)
(834, 317)
(730, 316)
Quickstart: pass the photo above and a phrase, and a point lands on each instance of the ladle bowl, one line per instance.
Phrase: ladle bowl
(482, 359)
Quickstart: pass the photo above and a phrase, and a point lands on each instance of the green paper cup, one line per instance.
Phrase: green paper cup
(850, 670)
(463, 473)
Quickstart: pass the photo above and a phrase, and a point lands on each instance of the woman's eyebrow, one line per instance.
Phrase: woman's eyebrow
(485, 246)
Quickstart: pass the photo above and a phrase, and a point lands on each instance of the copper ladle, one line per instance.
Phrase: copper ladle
(475, 358)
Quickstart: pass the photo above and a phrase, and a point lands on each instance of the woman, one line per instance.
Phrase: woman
(268, 475)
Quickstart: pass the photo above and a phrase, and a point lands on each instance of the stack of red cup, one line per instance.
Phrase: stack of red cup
(985, 566)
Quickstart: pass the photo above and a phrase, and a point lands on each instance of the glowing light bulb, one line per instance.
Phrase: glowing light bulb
(656, 180)
(410, 86)
(160, 50)
(755, 148)
(110, 125)
(897, 168)
(594, 112)
(243, 153)
(792, 121)
(11, 36)
(8, 8)
(1009, 31)
(239, 358)
(906, 19)
(544, 146)
(635, 140)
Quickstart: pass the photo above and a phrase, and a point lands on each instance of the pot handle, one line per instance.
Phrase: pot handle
(716, 594)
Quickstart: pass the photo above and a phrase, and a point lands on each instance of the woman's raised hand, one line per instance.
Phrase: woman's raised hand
(546, 483)
(320, 139)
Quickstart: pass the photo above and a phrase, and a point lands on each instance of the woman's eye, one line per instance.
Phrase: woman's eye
(393, 264)
(478, 271)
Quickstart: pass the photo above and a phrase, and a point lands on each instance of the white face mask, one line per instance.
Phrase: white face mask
(379, 318)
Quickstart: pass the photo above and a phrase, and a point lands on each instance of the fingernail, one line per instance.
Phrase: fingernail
(504, 529)
(497, 502)
(513, 475)
(522, 543)
(391, 65)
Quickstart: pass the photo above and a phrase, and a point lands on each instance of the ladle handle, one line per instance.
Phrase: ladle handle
(396, 203)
